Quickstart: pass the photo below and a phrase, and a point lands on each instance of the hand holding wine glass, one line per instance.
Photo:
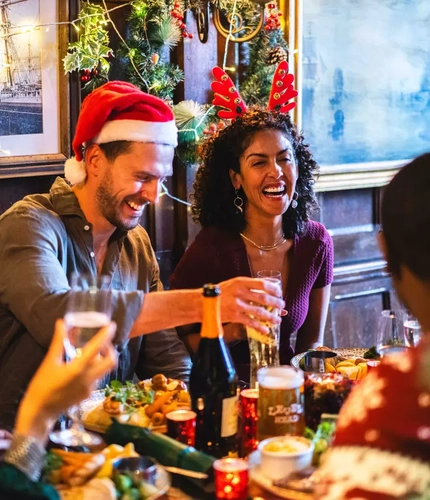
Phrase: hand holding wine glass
(88, 310)
(57, 384)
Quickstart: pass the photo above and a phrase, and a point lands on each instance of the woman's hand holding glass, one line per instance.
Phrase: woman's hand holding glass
(88, 310)
(57, 385)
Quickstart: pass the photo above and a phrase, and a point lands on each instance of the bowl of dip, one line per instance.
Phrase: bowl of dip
(284, 454)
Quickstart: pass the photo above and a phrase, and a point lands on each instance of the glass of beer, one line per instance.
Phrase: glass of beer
(264, 349)
(280, 402)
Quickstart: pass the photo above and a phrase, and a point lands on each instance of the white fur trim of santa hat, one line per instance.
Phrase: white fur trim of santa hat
(119, 111)
(138, 131)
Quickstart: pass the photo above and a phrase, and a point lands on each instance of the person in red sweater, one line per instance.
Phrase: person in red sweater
(382, 444)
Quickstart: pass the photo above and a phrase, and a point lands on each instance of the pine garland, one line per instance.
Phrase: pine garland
(255, 88)
(152, 32)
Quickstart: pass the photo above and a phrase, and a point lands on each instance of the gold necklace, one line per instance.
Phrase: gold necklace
(266, 248)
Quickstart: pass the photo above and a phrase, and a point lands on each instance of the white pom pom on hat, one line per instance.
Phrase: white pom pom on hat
(119, 111)
(75, 171)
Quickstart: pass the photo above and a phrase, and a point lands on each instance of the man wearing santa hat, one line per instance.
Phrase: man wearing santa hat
(124, 146)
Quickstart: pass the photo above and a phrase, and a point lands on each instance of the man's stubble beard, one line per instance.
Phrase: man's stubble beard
(108, 205)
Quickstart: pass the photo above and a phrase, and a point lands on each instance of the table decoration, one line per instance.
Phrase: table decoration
(181, 425)
(248, 419)
(231, 479)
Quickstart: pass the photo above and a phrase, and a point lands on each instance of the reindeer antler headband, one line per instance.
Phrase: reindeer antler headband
(227, 96)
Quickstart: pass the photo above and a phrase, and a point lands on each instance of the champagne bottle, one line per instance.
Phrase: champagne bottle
(214, 383)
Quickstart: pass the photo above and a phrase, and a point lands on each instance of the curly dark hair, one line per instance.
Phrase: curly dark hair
(213, 191)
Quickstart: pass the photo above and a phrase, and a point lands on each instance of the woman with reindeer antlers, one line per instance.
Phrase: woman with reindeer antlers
(253, 196)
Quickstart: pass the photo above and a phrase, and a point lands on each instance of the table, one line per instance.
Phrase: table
(177, 493)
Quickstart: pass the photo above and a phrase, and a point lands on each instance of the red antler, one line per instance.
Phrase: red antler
(226, 95)
(282, 89)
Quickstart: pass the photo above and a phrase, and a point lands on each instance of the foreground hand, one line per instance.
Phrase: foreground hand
(57, 385)
(243, 300)
(5, 439)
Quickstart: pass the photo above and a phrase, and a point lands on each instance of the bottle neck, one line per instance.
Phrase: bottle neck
(211, 320)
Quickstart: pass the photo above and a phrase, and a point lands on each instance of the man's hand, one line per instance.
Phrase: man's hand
(251, 301)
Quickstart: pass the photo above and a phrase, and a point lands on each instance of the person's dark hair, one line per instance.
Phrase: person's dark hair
(213, 191)
(405, 217)
(115, 148)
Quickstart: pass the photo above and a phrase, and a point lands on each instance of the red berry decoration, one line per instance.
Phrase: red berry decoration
(273, 14)
(178, 14)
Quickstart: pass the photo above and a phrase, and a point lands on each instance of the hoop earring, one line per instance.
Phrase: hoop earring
(238, 202)
(294, 203)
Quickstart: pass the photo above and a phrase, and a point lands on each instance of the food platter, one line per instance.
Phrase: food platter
(348, 352)
(255, 475)
(143, 404)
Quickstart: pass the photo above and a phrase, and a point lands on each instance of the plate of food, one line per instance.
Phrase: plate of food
(92, 476)
(351, 362)
(144, 404)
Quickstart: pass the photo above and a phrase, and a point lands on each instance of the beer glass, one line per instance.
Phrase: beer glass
(280, 402)
(264, 349)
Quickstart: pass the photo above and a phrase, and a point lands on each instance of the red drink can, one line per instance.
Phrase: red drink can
(181, 425)
(248, 421)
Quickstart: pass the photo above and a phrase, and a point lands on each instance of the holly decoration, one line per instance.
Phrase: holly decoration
(91, 53)
(277, 55)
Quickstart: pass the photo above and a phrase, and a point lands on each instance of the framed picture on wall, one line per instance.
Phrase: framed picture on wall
(35, 95)
(363, 73)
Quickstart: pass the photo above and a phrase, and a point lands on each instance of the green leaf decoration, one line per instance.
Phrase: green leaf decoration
(166, 33)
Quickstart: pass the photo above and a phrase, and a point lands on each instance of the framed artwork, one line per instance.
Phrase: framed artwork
(35, 95)
(363, 75)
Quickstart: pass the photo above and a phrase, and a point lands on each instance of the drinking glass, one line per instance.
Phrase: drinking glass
(264, 349)
(280, 402)
(388, 335)
(411, 329)
(88, 310)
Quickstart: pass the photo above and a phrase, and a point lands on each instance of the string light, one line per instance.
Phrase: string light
(29, 27)
(166, 192)
(229, 37)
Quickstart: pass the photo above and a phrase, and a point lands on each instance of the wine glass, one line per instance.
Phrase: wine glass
(264, 349)
(88, 310)
(389, 338)
(411, 329)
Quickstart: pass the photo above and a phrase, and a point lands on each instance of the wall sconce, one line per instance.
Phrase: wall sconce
(239, 31)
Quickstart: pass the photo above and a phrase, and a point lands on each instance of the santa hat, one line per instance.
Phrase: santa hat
(119, 111)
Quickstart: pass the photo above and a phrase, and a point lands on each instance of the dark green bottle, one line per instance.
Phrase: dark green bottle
(214, 384)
